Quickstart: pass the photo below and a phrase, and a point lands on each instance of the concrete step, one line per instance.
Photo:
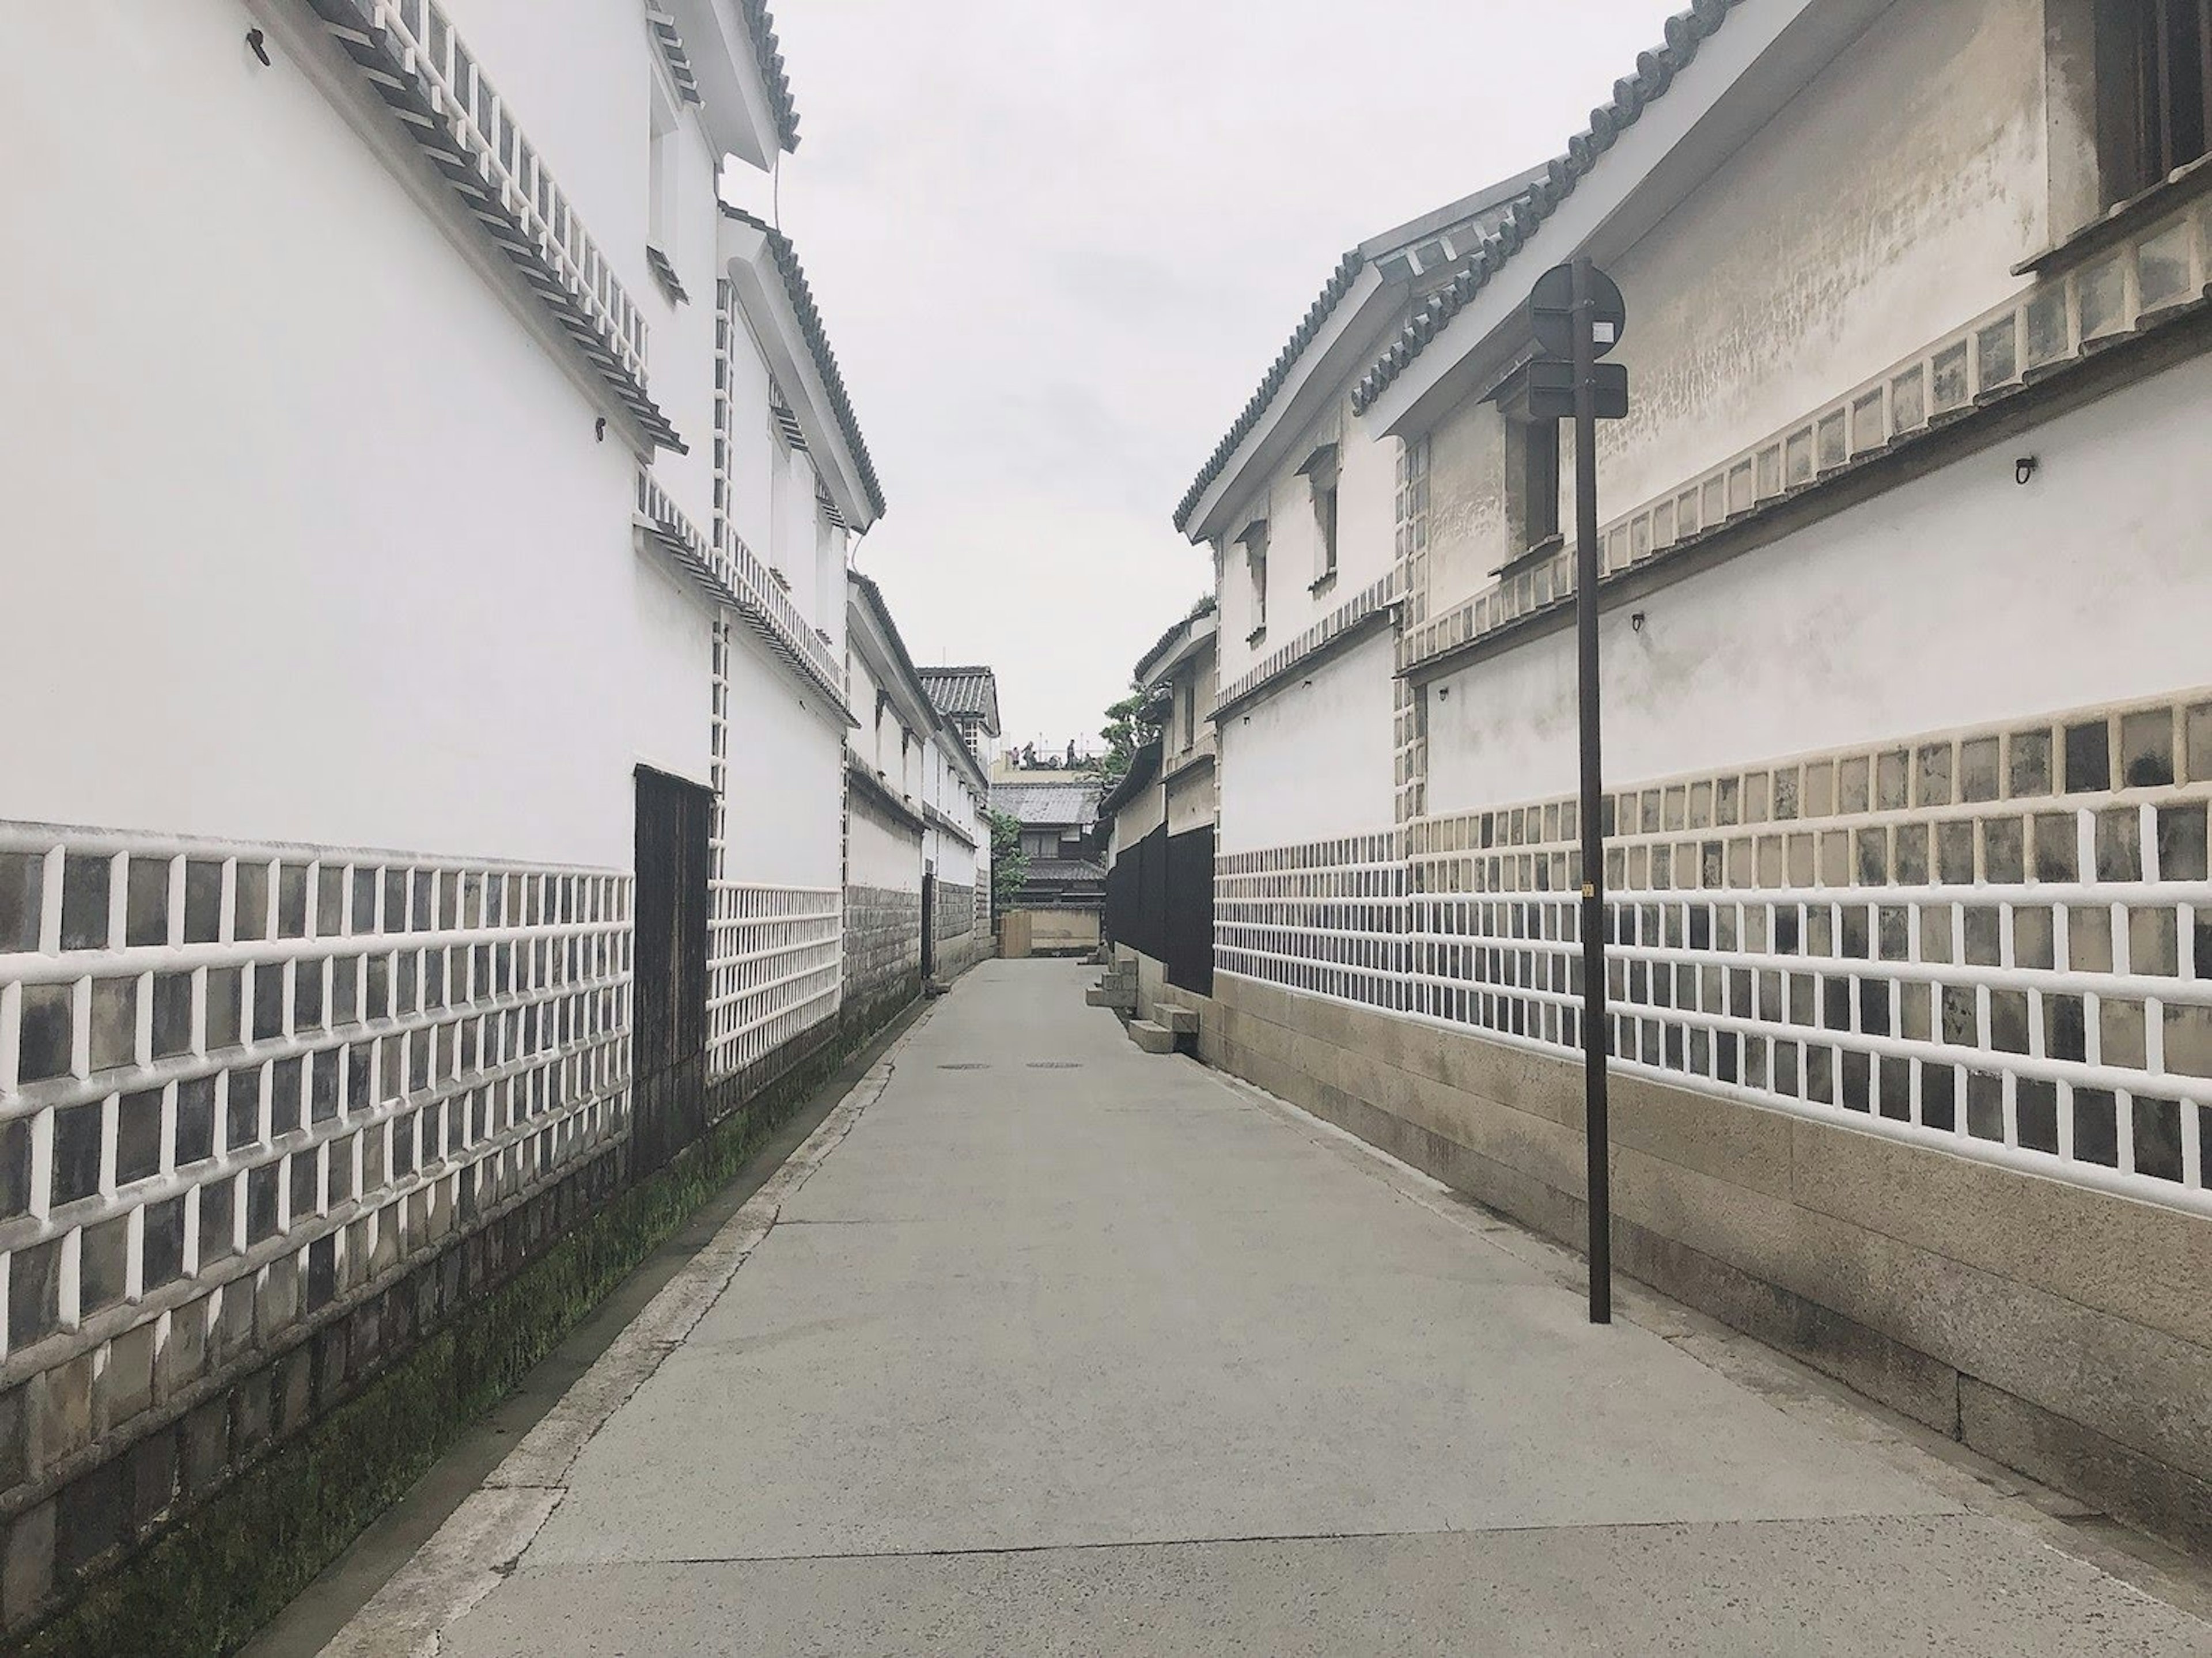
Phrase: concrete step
(1121, 1001)
(1153, 1038)
(1183, 1021)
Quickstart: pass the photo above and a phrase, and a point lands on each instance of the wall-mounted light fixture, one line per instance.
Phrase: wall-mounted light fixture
(600, 429)
(2025, 468)
(1636, 622)
(259, 42)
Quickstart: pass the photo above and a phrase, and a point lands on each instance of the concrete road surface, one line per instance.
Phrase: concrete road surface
(1043, 1346)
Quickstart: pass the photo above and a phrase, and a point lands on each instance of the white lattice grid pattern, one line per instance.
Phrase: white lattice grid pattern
(216, 1057)
(1327, 918)
(1999, 941)
(775, 967)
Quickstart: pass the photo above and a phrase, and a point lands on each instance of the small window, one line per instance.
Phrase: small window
(2154, 91)
(1321, 475)
(1187, 695)
(664, 176)
(1532, 472)
(1255, 542)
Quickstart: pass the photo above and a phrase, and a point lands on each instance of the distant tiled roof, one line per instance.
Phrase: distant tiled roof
(1631, 96)
(762, 26)
(970, 690)
(1064, 869)
(818, 344)
(1045, 804)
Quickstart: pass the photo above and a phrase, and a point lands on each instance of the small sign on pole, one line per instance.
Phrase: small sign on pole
(1578, 316)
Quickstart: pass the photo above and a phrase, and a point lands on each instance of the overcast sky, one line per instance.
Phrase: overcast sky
(1057, 242)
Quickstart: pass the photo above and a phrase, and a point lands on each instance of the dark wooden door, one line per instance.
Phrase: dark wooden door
(669, 983)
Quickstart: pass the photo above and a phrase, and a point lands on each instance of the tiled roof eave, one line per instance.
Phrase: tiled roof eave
(800, 296)
(1310, 325)
(1656, 70)
(760, 25)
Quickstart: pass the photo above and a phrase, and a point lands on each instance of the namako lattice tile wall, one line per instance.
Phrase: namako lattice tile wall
(773, 967)
(773, 954)
(237, 1081)
(1328, 917)
(1997, 939)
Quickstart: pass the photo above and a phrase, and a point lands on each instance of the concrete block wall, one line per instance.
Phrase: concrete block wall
(2060, 1329)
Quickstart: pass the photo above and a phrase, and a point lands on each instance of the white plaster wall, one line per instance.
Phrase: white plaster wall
(753, 447)
(1468, 531)
(786, 771)
(1885, 205)
(945, 788)
(1960, 599)
(1192, 803)
(1366, 535)
(317, 544)
(1139, 818)
(681, 345)
(1314, 761)
(880, 857)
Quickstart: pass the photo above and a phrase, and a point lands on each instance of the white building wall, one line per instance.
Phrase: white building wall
(1313, 761)
(786, 754)
(1835, 242)
(283, 604)
(881, 857)
(1960, 599)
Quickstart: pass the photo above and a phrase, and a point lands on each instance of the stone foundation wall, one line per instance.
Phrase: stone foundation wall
(2062, 1329)
(883, 945)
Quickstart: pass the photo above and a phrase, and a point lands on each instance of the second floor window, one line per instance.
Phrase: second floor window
(1532, 472)
(2153, 90)
(663, 176)
(1255, 542)
(1320, 475)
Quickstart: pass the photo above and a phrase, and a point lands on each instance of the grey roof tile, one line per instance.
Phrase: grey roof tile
(1631, 96)
(971, 689)
(818, 344)
(762, 26)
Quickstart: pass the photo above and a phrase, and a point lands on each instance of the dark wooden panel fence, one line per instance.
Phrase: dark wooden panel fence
(1159, 902)
(668, 1091)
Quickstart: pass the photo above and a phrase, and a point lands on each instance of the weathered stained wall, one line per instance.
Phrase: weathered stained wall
(1961, 596)
(1887, 203)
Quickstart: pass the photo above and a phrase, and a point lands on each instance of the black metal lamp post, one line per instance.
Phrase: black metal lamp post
(1579, 316)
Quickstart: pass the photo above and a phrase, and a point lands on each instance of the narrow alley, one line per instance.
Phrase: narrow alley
(1044, 1345)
